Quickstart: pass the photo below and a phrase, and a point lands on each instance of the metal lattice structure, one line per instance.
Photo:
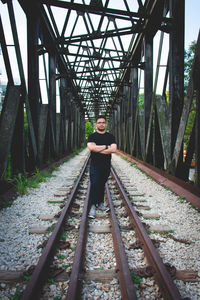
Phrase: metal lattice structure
(98, 57)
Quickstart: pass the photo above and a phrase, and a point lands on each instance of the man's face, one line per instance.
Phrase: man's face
(101, 124)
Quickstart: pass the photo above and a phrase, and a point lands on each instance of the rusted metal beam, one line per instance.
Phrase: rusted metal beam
(166, 284)
(116, 13)
(40, 274)
(176, 75)
(126, 284)
(74, 289)
(7, 124)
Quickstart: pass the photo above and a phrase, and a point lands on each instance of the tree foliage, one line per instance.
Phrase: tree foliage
(88, 129)
(188, 61)
(189, 58)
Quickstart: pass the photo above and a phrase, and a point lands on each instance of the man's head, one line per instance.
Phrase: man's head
(101, 124)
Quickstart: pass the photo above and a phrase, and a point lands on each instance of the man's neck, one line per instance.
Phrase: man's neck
(101, 132)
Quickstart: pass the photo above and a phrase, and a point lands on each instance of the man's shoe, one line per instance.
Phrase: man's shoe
(92, 213)
(103, 207)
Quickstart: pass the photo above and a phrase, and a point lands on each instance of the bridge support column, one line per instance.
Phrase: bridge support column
(33, 81)
(148, 91)
(52, 102)
(133, 109)
(176, 75)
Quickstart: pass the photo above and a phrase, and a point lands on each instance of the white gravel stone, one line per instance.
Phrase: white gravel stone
(18, 248)
(180, 217)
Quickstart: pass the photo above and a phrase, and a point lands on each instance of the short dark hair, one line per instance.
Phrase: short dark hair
(100, 117)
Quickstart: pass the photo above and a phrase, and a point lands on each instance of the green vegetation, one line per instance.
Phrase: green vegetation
(189, 58)
(65, 266)
(27, 278)
(64, 236)
(60, 256)
(194, 207)
(16, 295)
(51, 281)
(135, 278)
(8, 172)
(5, 202)
(88, 129)
(181, 199)
(141, 101)
(168, 188)
(22, 182)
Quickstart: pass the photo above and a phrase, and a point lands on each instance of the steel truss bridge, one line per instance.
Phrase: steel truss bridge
(123, 59)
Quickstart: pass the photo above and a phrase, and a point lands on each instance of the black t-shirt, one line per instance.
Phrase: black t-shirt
(106, 138)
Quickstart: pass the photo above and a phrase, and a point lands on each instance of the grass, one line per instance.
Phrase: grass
(65, 266)
(60, 256)
(16, 295)
(27, 278)
(22, 183)
(135, 278)
(53, 202)
(181, 199)
(5, 202)
(194, 207)
(64, 236)
(164, 232)
(168, 231)
(51, 281)
(157, 218)
(51, 229)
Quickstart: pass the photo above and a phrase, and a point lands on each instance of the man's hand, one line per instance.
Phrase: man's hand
(111, 149)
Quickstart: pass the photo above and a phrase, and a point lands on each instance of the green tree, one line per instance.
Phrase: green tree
(188, 61)
(189, 58)
(88, 129)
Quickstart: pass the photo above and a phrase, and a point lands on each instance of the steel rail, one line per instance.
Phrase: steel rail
(161, 275)
(74, 289)
(126, 283)
(39, 276)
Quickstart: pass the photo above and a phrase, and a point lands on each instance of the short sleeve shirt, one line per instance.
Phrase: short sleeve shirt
(106, 138)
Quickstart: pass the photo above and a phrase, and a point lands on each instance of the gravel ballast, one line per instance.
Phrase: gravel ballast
(176, 214)
(18, 248)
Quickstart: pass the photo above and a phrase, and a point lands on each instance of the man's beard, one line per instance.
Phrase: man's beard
(101, 129)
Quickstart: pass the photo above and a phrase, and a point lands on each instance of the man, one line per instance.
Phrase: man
(101, 144)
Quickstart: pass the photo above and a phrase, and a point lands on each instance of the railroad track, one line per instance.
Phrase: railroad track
(69, 253)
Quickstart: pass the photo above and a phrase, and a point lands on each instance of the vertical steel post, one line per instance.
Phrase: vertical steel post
(33, 78)
(148, 81)
(52, 101)
(197, 139)
(176, 73)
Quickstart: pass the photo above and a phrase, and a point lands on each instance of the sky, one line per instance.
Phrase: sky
(192, 21)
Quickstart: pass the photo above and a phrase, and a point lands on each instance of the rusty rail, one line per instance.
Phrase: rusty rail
(74, 290)
(162, 277)
(39, 276)
(126, 284)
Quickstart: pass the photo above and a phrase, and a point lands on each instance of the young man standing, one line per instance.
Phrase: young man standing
(101, 144)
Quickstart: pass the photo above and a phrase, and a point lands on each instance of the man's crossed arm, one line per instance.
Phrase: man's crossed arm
(102, 148)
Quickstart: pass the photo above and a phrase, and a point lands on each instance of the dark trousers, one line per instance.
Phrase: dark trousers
(98, 177)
